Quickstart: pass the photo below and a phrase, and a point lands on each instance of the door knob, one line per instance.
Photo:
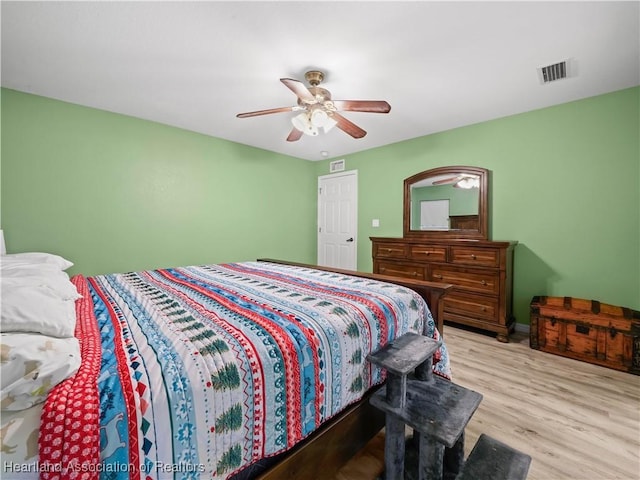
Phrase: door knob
(350, 239)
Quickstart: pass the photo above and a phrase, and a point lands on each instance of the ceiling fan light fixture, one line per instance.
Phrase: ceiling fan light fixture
(329, 124)
(319, 117)
(303, 123)
(311, 130)
(468, 182)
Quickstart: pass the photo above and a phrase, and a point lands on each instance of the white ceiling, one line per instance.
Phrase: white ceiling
(440, 65)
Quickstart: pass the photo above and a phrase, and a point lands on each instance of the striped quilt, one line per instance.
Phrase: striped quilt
(204, 370)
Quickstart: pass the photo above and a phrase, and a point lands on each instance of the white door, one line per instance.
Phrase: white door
(434, 214)
(338, 220)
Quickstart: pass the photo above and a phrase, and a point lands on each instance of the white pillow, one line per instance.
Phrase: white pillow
(33, 258)
(36, 309)
(45, 275)
(32, 365)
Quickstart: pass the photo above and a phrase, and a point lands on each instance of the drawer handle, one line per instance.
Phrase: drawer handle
(437, 276)
(473, 257)
(415, 274)
(483, 282)
(382, 269)
(388, 250)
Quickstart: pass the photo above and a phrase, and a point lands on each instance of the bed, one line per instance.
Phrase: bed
(209, 371)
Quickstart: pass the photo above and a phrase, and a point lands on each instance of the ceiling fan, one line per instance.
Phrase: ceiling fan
(318, 110)
(460, 181)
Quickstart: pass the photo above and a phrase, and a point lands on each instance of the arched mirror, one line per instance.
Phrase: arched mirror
(447, 202)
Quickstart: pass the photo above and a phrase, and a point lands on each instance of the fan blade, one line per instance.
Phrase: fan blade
(300, 90)
(373, 106)
(347, 126)
(294, 135)
(266, 112)
(446, 180)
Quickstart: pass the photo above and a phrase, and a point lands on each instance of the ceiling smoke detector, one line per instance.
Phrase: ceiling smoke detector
(556, 71)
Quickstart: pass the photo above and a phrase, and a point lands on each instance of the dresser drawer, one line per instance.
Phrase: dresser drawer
(401, 270)
(485, 257)
(475, 306)
(389, 250)
(473, 281)
(428, 253)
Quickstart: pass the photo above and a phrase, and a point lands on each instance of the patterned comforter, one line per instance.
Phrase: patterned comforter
(204, 370)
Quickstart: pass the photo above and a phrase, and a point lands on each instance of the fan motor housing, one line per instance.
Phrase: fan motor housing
(321, 94)
(314, 77)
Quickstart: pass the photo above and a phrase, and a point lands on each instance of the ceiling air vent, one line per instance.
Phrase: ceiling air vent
(554, 72)
(336, 166)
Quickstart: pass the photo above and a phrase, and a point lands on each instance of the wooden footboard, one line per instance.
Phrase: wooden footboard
(327, 450)
(430, 291)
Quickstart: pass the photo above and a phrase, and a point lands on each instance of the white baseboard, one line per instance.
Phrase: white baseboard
(522, 328)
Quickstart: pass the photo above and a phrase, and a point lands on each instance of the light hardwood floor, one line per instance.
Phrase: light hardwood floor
(577, 421)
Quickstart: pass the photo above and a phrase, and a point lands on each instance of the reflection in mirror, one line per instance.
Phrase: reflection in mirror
(434, 215)
(445, 203)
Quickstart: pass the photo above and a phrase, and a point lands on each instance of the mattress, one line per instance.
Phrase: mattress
(202, 371)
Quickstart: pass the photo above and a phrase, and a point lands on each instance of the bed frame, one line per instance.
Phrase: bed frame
(322, 454)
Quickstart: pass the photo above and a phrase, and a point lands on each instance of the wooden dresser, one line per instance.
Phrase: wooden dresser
(480, 270)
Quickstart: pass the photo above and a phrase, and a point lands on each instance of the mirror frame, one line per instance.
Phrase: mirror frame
(483, 211)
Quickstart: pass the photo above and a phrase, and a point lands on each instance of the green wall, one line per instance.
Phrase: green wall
(565, 184)
(114, 193)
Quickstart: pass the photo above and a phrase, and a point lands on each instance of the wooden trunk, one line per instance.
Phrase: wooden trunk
(587, 330)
